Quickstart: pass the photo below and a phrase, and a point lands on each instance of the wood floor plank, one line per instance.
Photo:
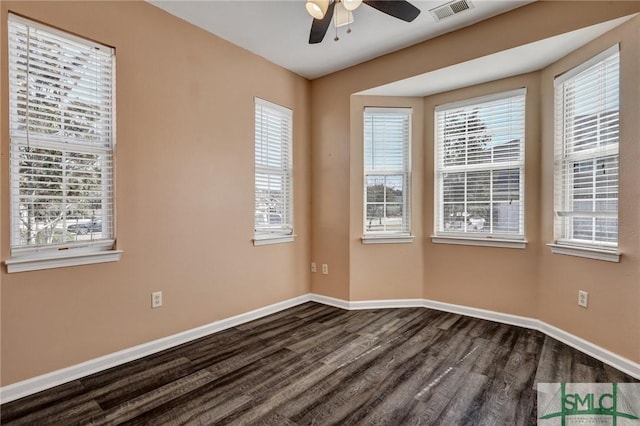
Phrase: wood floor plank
(461, 410)
(64, 413)
(357, 346)
(321, 365)
(436, 396)
(266, 405)
(134, 407)
(41, 400)
(510, 390)
(445, 320)
(316, 341)
(132, 386)
(392, 403)
(218, 394)
(200, 410)
(353, 322)
(362, 380)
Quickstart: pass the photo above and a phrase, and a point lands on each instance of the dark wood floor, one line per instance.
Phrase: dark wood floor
(319, 365)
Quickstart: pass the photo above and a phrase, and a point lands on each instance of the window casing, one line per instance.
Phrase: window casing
(387, 171)
(273, 172)
(61, 128)
(479, 166)
(586, 153)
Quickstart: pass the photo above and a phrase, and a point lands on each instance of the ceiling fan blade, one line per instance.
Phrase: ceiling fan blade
(319, 27)
(400, 9)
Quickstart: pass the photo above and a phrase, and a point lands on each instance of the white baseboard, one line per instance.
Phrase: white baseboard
(384, 304)
(36, 384)
(367, 304)
(516, 320)
(46, 381)
(331, 301)
(601, 354)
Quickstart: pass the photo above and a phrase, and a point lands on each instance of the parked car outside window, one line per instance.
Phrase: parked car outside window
(83, 228)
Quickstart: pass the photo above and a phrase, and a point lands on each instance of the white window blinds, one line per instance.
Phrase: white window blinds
(387, 134)
(273, 169)
(480, 167)
(586, 152)
(61, 117)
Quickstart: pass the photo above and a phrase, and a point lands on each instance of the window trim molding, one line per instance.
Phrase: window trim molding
(267, 239)
(75, 257)
(389, 237)
(586, 252)
(24, 258)
(480, 242)
(569, 74)
(522, 91)
(482, 239)
(563, 244)
(284, 233)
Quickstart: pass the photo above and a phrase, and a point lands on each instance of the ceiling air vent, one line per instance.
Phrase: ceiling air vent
(450, 9)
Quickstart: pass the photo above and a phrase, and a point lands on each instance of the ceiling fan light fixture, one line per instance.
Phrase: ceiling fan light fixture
(342, 16)
(351, 5)
(317, 8)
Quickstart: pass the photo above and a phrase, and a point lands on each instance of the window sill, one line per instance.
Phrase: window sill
(387, 239)
(50, 261)
(272, 239)
(587, 252)
(482, 242)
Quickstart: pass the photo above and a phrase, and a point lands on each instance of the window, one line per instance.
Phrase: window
(387, 168)
(61, 147)
(480, 169)
(586, 153)
(273, 173)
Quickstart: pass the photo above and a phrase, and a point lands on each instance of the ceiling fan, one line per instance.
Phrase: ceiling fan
(323, 12)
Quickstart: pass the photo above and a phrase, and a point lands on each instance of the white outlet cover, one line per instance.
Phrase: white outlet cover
(583, 298)
(156, 299)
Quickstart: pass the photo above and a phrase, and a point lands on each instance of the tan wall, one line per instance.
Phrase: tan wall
(330, 189)
(613, 317)
(498, 279)
(184, 194)
(385, 271)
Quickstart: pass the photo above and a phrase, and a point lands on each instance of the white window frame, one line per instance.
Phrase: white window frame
(266, 232)
(46, 255)
(484, 239)
(564, 158)
(389, 236)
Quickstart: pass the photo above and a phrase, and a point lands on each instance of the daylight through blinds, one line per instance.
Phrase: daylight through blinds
(586, 152)
(61, 131)
(387, 170)
(273, 169)
(480, 167)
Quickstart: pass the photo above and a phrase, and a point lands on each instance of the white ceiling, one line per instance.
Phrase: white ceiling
(519, 60)
(279, 30)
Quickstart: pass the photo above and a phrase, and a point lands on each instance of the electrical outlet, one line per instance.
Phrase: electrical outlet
(325, 269)
(583, 298)
(314, 268)
(156, 299)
